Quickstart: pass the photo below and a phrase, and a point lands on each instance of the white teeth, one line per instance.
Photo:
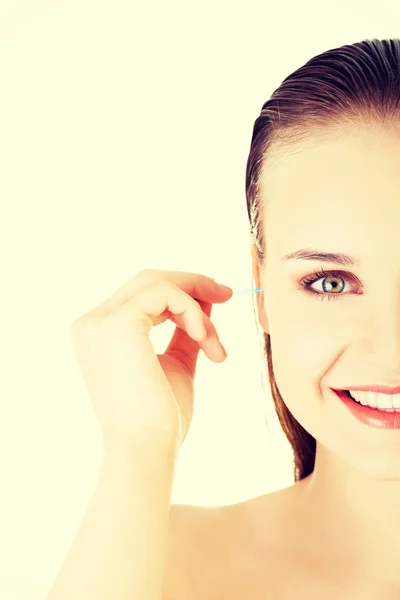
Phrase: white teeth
(381, 401)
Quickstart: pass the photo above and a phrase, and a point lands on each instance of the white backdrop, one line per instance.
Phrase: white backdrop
(124, 133)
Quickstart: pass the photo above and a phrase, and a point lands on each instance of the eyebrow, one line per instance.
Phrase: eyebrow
(343, 260)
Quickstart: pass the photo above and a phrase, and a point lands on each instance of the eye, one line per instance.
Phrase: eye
(333, 282)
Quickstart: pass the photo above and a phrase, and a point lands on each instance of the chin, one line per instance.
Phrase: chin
(380, 468)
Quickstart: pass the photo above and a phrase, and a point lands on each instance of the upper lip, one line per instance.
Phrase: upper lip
(379, 389)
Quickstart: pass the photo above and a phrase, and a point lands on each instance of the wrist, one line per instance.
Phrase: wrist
(141, 450)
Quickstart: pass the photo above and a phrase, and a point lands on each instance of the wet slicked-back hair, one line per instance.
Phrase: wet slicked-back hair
(342, 89)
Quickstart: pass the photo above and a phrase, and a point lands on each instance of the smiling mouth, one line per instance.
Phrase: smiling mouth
(373, 408)
(378, 418)
(347, 393)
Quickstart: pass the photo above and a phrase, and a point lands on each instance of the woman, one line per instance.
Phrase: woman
(323, 199)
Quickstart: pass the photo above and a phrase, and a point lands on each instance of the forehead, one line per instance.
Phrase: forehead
(346, 188)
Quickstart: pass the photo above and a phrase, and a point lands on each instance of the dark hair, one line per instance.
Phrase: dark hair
(338, 90)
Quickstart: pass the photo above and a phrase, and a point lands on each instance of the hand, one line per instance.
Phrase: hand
(138, 394)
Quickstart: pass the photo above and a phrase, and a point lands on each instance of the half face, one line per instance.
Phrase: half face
(334, 321)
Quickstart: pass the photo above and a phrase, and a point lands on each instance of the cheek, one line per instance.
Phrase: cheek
(301, 355)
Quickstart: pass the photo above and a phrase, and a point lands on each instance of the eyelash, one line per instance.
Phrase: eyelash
(310, 279)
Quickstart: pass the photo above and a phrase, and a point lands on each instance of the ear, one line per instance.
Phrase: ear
(260, 297)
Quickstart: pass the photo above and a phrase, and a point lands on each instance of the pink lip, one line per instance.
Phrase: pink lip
(379, 389)
(373, 417)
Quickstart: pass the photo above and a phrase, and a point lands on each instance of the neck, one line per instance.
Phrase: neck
(356, 519)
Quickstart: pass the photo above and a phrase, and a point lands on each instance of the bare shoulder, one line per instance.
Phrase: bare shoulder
(192, 530)
(217, 544)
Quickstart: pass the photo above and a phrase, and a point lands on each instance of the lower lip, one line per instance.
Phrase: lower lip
(370, 416)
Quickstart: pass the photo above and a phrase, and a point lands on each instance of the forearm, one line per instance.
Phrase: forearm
(120, 549)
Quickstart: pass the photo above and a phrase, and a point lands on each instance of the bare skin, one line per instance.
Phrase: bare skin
(262, 549)
(339, 194)
(337, 533)
(277, 553)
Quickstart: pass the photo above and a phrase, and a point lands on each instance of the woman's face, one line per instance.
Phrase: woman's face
(335, 196)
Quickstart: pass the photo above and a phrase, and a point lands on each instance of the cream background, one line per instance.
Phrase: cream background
(124, 133)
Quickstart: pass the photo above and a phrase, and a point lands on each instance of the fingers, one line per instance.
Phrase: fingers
(158, 298)
(194, 284)
(151, 305)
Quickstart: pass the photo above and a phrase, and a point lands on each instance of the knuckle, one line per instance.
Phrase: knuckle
(167, 285)
(151, 273)
(145, 275)
(160, 287)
